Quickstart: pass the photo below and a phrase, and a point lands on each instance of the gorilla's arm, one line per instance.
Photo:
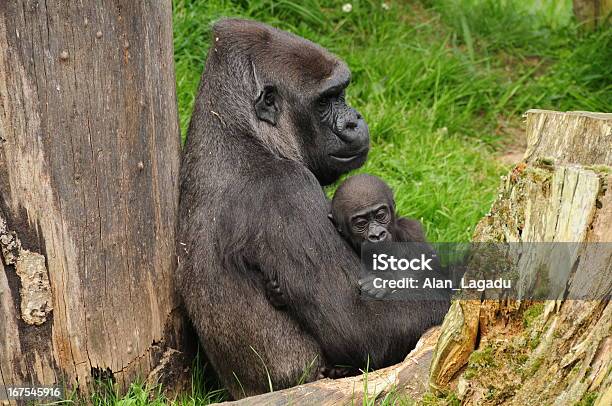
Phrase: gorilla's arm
(290, 240)
(409, 230)
(317, 274)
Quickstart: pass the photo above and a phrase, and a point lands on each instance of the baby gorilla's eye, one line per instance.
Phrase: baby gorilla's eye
(323, 101)
(382, 215)
(360, 225)
(269, 99)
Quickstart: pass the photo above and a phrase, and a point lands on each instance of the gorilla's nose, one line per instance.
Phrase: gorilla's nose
(353, 129)
(377, 235)
(352, 121)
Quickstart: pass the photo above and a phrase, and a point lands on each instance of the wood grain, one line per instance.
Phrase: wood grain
(408, 377)
(559, 193)
(89, 161)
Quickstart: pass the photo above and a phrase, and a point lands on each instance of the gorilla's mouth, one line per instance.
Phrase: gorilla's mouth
(346, 157)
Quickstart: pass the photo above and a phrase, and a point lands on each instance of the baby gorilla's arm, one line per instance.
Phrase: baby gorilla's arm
(366, 286)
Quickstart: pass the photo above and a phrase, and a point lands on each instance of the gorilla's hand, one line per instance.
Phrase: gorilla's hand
(336, 372)
(366, 285)
(275, 295)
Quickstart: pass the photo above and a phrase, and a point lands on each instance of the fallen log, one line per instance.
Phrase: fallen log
(409, 377)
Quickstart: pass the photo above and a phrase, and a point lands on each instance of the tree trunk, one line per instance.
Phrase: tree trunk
(89, 162)
(557, 351)
(592, 13)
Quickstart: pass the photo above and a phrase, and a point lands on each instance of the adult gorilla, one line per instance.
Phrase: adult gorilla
(270, 125)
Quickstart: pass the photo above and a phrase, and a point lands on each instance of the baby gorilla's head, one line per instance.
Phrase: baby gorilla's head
(363, 209)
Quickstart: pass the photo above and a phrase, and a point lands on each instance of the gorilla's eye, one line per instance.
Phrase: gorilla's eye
(269, 99)
(323, 101)
(382, 215)
(360, 224)
(328, 97)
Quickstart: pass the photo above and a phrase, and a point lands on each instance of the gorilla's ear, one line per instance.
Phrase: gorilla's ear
(266, 105)
(330, 216)
(334, 222)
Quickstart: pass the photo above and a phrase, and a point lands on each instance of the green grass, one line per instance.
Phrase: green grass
(204, 390)
(532, 313)
(435, 80)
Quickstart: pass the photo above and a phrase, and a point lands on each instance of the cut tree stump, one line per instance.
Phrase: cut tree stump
(558, 351)
(89, 161)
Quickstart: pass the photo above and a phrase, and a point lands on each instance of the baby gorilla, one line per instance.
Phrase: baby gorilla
(363, 209)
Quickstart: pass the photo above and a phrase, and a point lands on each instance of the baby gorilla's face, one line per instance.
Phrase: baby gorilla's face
(363, 210)
(371, 223)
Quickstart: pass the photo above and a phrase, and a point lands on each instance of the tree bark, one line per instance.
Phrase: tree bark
(562, 355)
(592, 13)
(89, 162)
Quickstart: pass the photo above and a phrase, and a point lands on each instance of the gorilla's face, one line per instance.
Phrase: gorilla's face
(372, 223)
(340, 140)
(301, 93)
(334, 137)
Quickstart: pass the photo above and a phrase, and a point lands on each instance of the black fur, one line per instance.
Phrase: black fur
(360, 196)
(252, 210)
(367, 200)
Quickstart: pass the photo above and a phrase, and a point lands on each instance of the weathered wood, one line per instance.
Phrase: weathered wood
(458, 335)
(408, 377)
(559, 193)
(573, 137)
(89, 160)
(592, 13)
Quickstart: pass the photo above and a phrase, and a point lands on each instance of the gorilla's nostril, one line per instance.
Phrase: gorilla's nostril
(351, 125)
(376, 237)
(359, 117)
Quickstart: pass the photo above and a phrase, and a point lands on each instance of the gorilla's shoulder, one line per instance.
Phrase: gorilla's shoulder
(281, 178)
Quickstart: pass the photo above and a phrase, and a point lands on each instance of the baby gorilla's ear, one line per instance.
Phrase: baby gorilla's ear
(331, 218)
(334, 222)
